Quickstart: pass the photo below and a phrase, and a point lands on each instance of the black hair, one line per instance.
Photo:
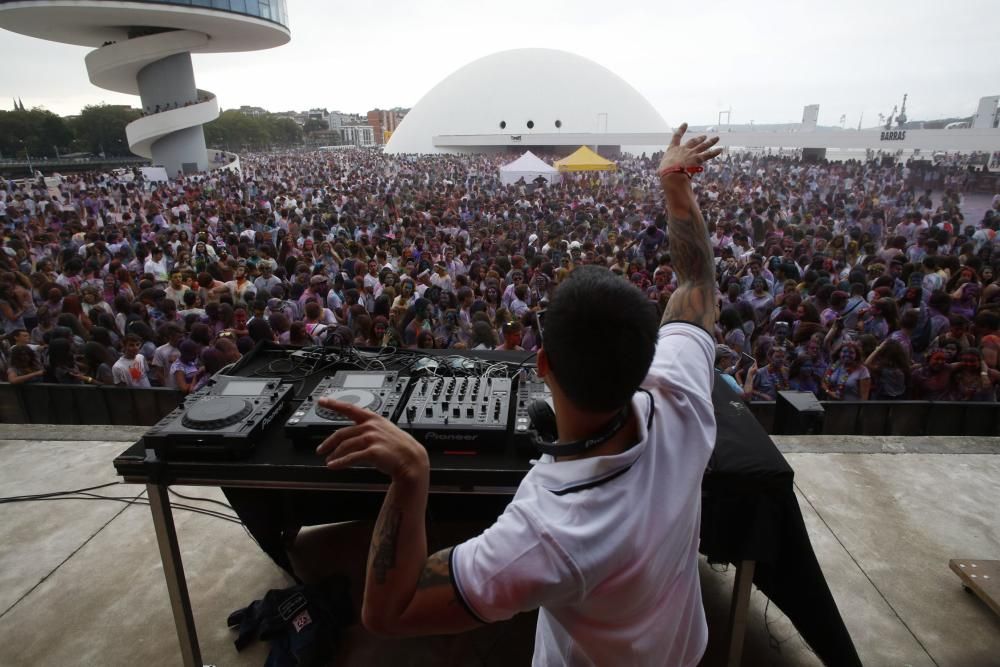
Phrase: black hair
(730, 319)
(260, 330)
(599, 337)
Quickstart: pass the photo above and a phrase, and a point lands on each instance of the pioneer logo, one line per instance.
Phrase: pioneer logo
(459, 437)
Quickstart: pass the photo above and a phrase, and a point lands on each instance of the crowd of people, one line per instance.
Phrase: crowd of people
(150, 109)
(852, 280)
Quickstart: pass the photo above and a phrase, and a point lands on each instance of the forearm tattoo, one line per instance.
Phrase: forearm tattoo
(691, 255)
(382, 554)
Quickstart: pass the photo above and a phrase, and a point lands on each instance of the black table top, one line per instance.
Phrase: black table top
(276, 462)
(745, 459)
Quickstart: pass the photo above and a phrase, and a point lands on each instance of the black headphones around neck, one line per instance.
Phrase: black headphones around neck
(543, 421)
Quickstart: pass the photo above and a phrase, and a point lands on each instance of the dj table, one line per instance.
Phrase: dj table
(750, 516)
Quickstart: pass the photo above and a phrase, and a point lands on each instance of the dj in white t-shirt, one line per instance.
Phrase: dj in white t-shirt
(606, 547)
(602, 535)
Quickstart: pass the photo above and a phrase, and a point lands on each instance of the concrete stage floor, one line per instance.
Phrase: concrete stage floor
(81, 581)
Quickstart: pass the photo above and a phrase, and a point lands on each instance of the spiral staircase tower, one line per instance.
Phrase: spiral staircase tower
(144, 47)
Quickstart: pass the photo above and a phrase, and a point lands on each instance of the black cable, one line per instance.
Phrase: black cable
(61, 493)
(83, 494)
(204, 500)
(520, 366)
(133, 501)
(75, 551)
(772, 639)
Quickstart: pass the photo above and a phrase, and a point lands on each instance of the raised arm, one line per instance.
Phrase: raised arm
(690, 251)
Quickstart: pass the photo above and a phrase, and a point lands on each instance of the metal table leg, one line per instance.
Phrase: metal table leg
(173, 570)
(739, 610)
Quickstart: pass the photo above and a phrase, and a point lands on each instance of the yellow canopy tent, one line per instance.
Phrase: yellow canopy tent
(584, 159)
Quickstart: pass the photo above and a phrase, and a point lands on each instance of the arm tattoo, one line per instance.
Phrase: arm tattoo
(691, 252)
(437, 570)
(382, 554)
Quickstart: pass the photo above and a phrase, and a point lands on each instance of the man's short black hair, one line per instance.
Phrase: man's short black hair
(599, 336)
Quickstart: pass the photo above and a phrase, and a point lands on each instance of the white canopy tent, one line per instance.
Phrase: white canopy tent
(529, 167)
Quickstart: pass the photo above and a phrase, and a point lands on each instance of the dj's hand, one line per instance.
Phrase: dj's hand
(375, 441)
(692, 153)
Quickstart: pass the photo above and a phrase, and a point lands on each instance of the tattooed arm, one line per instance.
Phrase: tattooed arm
(406, 593)
(690, 251)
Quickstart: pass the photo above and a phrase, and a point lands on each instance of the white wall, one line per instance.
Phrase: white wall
(965, 140)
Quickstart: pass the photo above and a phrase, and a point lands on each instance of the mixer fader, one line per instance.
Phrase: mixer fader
(468, 412)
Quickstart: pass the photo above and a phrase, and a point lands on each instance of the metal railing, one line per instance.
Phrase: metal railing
(39, 162)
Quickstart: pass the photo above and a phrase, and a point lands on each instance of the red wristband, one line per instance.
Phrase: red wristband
(687, 171)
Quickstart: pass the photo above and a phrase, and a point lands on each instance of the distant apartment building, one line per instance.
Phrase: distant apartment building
(356, 135)
(340, 119)
(342, 129)
(385, 122)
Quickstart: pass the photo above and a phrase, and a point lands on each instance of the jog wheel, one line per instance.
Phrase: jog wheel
(216, 412)
(358, 397)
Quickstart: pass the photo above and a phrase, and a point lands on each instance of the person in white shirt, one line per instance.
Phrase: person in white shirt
(166, 354)
(240, 288)
(602, 535)
(130, 369)
(176, 289)
(441, 278)
(156, 264)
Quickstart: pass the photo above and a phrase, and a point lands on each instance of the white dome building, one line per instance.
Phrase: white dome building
(529, 98)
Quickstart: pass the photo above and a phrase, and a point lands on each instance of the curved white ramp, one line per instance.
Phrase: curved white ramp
(166, 131)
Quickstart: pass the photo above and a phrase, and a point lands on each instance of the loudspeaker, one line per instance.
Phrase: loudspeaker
(798, 413)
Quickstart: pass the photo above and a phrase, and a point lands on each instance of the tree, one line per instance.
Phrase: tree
(234, 131)
(283, 131)
(100, 128)
(314, 125)
(39, 132)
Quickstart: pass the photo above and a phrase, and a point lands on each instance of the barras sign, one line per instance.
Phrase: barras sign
(893, 135)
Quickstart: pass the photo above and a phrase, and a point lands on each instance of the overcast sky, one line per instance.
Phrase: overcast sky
(764, 59)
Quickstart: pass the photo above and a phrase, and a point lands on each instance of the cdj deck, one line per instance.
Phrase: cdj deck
(448, 403)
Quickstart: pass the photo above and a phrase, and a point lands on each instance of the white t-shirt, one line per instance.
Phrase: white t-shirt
(158, 269)
(131, 372)
(164, 357)
(607, 547)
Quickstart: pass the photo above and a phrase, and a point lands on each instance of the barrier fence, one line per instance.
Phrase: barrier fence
(900, 418)
(40, 403)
